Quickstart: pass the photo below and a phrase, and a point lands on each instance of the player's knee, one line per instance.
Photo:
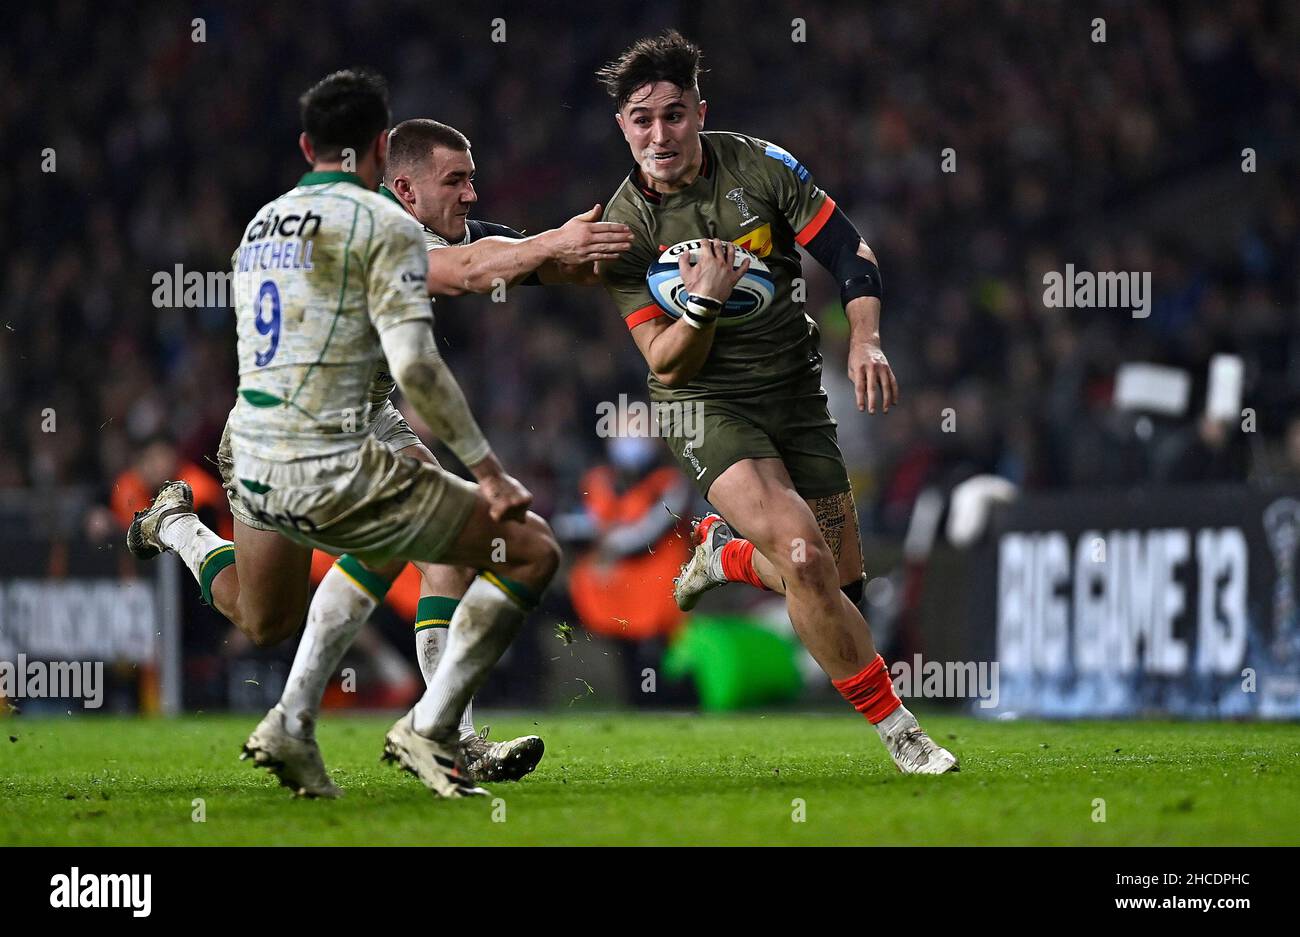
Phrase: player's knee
(812, 571)
(268, 625)
(808, 563)
(268, 630)
(547, 560)
(540, 557)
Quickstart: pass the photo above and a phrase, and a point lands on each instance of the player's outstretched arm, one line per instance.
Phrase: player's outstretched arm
(676, 351)
(429, 384)
(481, 266)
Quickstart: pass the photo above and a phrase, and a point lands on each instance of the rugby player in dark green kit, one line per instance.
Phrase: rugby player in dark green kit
(764, 451)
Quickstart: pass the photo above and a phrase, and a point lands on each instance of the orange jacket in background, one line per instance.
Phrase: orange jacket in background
(632, 597)
(130, 495)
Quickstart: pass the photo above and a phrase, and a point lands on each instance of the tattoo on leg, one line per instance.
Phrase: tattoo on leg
(831, 513)
(855, 532)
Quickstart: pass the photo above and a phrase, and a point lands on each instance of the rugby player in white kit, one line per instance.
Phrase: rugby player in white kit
(337, 287)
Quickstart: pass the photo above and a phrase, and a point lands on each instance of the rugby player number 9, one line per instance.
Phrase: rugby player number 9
(270, 325)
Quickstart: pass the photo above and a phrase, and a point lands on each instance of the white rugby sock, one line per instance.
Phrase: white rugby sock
(485, 622)
(339, 608)
(428, 649)
(900, 717)
(185, 535)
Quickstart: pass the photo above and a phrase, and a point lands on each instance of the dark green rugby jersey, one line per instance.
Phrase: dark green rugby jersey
(759, 196)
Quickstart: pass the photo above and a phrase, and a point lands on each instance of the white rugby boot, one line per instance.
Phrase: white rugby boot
(142, 536)
(439, 766)
(703, 571)
(296, 762)
(501, 761)
(913, 751)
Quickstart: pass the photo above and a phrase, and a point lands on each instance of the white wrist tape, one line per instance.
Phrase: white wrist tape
(701, 311)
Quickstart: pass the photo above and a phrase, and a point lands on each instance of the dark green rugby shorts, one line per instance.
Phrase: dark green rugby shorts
(707, 437)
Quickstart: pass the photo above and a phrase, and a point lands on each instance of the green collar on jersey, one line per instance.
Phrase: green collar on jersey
(388, 193)
(320, 178)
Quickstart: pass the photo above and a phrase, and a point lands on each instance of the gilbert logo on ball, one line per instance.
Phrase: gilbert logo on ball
(752, 295)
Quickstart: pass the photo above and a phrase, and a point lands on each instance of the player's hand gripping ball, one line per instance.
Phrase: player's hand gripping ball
(752, 295)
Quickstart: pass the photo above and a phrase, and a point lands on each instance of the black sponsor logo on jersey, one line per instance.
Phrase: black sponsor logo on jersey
(295, 225)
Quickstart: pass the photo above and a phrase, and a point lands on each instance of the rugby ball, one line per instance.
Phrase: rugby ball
(751, 297)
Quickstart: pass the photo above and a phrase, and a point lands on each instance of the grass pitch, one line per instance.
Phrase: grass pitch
(642, 779)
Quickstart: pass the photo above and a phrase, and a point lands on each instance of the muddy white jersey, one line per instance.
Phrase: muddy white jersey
(319, 273)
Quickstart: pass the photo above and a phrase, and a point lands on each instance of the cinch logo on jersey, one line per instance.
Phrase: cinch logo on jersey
(294, 225)
(289, 253)
(103, 891)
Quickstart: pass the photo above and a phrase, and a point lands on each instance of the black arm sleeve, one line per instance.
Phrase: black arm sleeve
(484, 229)
(836, 248)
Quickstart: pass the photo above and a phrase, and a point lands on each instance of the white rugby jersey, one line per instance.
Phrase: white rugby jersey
(320, 271)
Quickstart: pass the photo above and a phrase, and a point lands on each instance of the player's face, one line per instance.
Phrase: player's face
(662, 123)
(444, 192)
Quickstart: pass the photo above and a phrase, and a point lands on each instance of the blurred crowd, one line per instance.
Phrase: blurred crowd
(1122, 154)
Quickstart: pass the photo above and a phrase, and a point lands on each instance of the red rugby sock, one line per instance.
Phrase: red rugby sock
(738, 563)
(870, 691)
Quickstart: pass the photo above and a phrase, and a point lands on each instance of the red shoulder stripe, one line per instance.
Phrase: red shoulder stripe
(811, 229)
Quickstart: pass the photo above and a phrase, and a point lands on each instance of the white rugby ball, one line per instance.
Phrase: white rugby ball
(751, 297)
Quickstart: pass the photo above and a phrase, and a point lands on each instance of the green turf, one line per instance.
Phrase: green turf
(666, 779)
